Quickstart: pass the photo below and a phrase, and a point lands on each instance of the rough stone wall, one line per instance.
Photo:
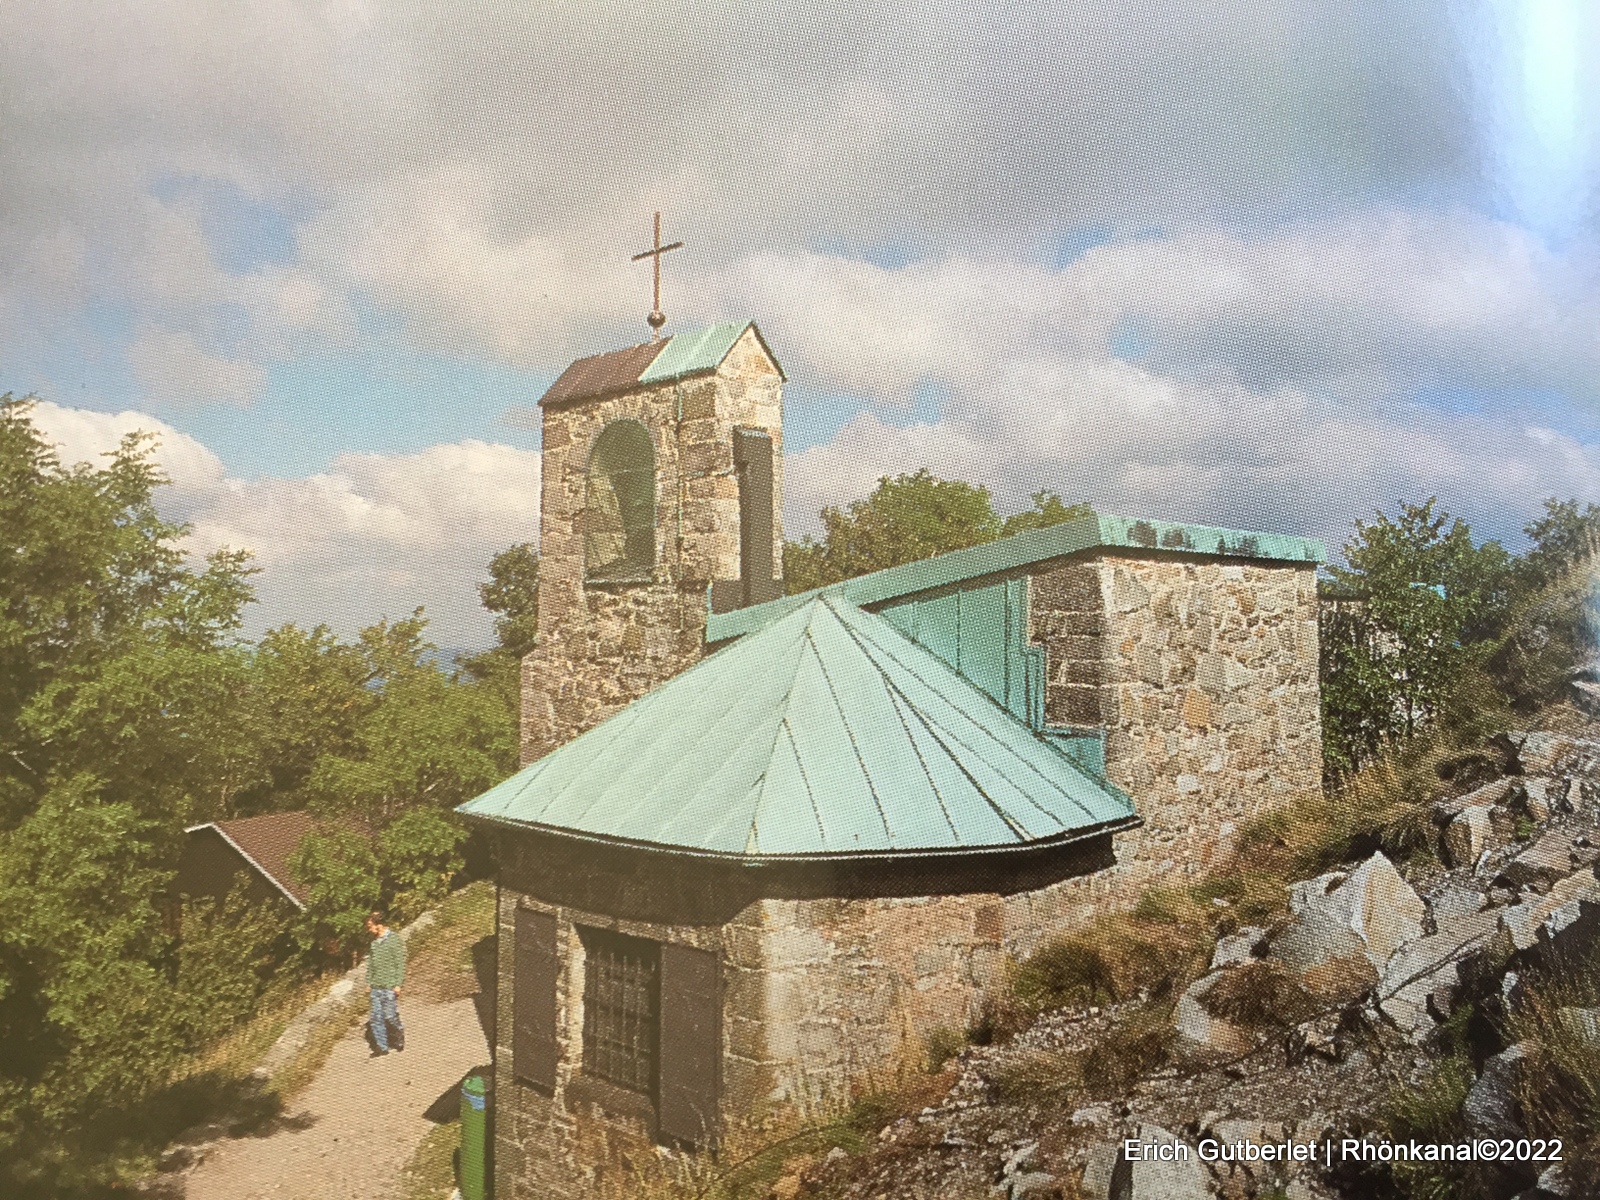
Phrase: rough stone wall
(1203, 674)
(578, 1142)
(602, 646)
(853, 987)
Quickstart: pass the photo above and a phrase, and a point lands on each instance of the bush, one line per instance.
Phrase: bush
(418, 854)
(340, 873)
(228, 956)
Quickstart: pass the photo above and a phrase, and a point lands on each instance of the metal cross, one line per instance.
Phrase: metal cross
(657, 318)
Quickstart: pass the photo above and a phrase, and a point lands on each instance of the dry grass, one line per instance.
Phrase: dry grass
(1140, 1042)
(1261, 995)
(1561, 1089)
(1118, 958)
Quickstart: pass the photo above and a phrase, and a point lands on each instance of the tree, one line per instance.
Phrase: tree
(1422, 599)
(906, 518)
(1564, 537)
(512, 594)
(1048, 509)
(306, 695)
(425, 739)
(119, 668)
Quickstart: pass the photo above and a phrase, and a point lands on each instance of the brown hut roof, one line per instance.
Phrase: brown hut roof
(266, 843)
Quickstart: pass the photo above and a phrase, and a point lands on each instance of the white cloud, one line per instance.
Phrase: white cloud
(80, 435)
(376, 535)
(1141, 444)
(179, 374)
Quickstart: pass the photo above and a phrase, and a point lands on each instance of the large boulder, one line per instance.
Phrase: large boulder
(1541, 864)
(1470, 832)
(1202, 1033)
(1489, 795)
(1543, 753)
(1372, 912)
(1167, 1168)
(1430, 967)
(1491, 1107)
(1239, 947)
(1456, 900)
(1561, 906)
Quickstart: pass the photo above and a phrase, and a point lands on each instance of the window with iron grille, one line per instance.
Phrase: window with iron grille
(621, 1009)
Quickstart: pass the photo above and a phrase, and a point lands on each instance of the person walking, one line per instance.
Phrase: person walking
(386, 971)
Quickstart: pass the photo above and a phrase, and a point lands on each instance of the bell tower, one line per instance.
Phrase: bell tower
(662, 487)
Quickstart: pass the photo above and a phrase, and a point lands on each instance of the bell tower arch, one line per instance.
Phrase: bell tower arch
(662, 483)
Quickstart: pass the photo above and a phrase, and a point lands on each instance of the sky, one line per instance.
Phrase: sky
(1267, 265)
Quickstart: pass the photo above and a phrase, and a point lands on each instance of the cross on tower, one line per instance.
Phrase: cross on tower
(657, 318)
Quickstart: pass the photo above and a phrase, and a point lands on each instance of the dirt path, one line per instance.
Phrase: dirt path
(349, 1134)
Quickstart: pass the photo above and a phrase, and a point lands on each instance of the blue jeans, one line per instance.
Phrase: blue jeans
(384, 1010)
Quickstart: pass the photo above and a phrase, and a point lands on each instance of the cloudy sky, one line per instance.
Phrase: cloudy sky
(1259, 264)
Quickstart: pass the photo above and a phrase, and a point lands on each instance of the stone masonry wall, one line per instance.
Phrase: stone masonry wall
(1203, 673)
(602, 646)
(577, 1142)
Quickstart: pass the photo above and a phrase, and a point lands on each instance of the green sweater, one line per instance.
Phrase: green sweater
(386, 965)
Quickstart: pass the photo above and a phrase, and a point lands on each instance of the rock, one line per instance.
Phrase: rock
(1209, 1035)
(1372, 912)
(1149, 1179)
(1238, 947)
(1022, 1159)
(1468, 835)
(341, 989)
(1034, 1185)
(1536, 798)
(1541, 864)
(1110, 1175)
(1572, 931)
(1456, 900)
(1581, 1023)
(1427, 965)
(1092, 1114)
(1586, 696)
(836, 1155)
(1554, 1182)
(1542, 753)
(1524, 921)
(1485, 797)
(1491, 1108)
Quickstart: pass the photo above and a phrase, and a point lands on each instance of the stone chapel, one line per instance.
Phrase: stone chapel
(761, 845)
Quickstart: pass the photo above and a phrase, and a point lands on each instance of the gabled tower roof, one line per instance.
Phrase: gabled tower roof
(666, 361)
(826, 734)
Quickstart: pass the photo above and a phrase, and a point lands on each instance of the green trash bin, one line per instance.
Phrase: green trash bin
(474, 1138)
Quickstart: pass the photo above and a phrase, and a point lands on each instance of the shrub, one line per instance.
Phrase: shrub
(340, 873)
(418, 854)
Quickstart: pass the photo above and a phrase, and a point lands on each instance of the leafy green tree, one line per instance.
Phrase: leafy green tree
(418, 855)
(231, 953)
(1048, 509)
(512, 594)
(906, 518)
(1422, 600)
(119, 670)
(306, 695)
(427, 739)
(338, 867)
(1564, 537)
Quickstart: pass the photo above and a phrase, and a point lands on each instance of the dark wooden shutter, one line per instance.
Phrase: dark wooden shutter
(752, 459)
(691, 1043)
(533, 1035)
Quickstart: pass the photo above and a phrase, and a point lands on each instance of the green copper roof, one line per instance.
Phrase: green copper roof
(828, 733)
(696, 353)
(1101, 531)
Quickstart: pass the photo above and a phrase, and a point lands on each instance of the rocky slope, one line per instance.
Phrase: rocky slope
(1300, 1032)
